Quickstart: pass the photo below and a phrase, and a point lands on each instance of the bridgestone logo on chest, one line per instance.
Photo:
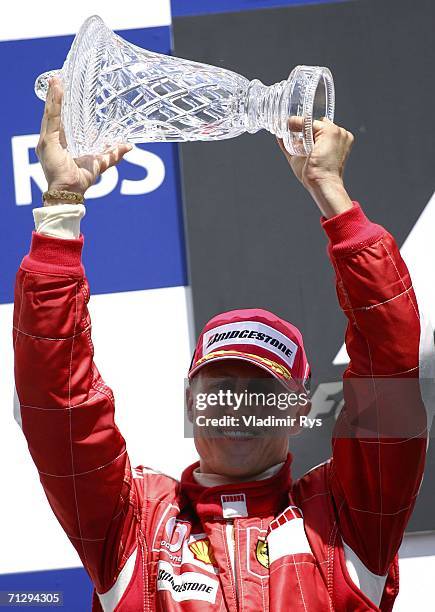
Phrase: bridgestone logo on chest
(187, 585)
(251, 332)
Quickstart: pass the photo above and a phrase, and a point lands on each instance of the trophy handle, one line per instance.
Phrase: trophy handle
(41, 83)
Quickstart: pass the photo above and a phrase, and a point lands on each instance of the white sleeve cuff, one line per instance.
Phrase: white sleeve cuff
(60, 220)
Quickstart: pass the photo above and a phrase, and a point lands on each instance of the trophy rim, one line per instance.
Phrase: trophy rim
(318, 73)
(70, 73)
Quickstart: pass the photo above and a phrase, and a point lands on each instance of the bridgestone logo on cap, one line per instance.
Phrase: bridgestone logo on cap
(250, 332)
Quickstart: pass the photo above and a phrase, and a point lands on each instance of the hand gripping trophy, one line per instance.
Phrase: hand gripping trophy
(117, 92)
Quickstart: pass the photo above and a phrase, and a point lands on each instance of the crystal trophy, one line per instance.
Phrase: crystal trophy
(115, 92)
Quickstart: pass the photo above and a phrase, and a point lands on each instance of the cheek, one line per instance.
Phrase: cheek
(207, 446)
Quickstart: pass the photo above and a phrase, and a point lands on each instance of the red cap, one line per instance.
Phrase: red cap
(259, 337)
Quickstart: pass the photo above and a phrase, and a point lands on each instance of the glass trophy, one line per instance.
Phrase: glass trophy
(115, 92)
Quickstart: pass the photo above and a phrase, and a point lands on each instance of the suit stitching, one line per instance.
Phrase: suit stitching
(230, 571)
(400, 278)
(379, 452)
(421, 434)
(316, 495)
(70, 428)
(100, 467)
(66, 407)
(144, 548)
(263, 594)
(383, 375)
(292, 564)
(144, 573)
(358, 248)
(236, 574)
(383, 513)
(299, 583)
(20, 331)
(371, 306)
(346, 295)
(72, 277)
(85, 539)
(330, 559)
(21, 306)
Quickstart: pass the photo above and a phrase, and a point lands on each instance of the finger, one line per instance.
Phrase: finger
(118, 153)
(54, 108)
(319, 124)
(283, 149)
(112, 156)
(45, 113)
(62, 137)
(296, 124)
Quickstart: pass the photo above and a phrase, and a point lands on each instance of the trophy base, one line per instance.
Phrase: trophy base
(308, 93)
(311, 97)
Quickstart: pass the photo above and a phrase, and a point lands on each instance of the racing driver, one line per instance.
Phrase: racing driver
(235, 533)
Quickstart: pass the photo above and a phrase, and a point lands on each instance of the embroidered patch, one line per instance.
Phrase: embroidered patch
(262, 553)
(234, 506)
(187, 585)
(202, 551)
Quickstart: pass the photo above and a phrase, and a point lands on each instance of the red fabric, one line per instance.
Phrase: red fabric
(177, 529)
(350, 231)
(54, 255)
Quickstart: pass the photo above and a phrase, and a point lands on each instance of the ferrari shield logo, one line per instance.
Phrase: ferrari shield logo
(261, 553)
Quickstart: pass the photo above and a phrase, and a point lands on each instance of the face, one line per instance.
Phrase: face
(234, 454)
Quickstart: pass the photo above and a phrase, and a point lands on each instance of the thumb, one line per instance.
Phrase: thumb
(283, 149)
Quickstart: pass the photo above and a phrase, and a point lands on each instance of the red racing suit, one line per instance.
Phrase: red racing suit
(150, 542)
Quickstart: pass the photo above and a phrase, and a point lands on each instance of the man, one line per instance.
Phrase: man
(236, 533)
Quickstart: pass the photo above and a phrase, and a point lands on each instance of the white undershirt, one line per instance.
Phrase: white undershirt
(59, 220)
(216, 480)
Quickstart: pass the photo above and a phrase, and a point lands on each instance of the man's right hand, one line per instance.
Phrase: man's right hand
(61, 170)
(321, 172)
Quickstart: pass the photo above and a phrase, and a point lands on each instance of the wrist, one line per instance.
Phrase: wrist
(56, 196)
(330, 196)
(75, 188)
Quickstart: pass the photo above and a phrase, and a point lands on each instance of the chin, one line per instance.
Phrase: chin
(241, 458)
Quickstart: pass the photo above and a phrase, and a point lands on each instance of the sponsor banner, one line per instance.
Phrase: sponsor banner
(250, 332)
(39, 19)
(133, 227)
(198, 7)
(186, 586)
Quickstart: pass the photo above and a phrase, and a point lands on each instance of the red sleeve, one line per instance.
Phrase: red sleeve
(379, 441)
(67, 411)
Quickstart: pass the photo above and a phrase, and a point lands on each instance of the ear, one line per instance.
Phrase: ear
(188, 398)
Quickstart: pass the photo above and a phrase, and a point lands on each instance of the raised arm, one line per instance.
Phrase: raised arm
(380, 438)
(67, 411)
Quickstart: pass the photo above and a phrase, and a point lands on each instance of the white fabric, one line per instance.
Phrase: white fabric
(370, 584)
(110, 599)
(288, 539)
(216, 480)
(60, 220)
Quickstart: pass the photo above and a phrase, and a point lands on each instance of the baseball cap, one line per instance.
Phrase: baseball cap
(259, 337)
